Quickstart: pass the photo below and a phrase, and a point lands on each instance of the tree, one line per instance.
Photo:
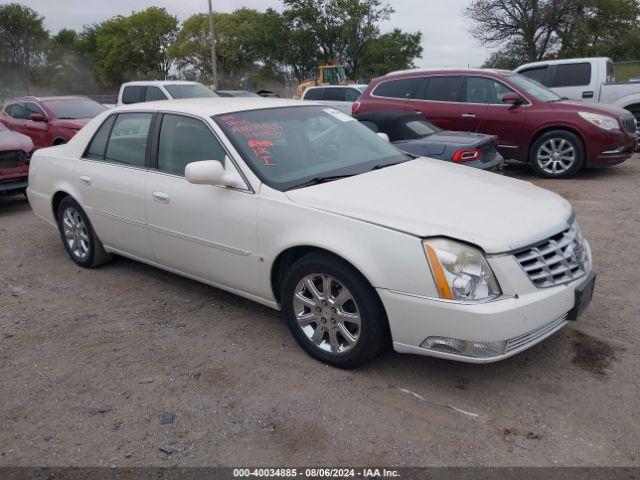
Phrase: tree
(525, 30)
(135, 46)
(391, 51)
(22, 40)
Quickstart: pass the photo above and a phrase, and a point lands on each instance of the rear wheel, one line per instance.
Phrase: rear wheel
(557, 154)
(333, 312)
(80, 240)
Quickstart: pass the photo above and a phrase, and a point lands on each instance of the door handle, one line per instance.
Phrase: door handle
(161, 197)
(468, 115)
(85, 180)
(587, 94)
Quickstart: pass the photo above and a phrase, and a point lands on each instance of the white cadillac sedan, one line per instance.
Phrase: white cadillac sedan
(299, 207)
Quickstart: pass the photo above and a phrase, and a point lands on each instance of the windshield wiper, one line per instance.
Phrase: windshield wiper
(385, 165)
(319, 180)
(561, 99)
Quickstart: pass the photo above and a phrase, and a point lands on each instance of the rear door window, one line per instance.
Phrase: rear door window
(572, 75)
(128, 139)
(154, 93)
(334, 94)
(184, 140)
(401, 88)
(443, 89)
(98, 145)
(539, 74)
(313, 94)
(133, 94)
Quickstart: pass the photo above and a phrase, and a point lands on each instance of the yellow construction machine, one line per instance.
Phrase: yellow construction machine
(328, 75)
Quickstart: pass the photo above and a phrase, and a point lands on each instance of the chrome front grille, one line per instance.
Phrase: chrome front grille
(528, 338)
(628, 122)
(557, 260)
(12, 158)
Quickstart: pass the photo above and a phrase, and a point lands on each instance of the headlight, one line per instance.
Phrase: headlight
(602, 121)
(460, 272)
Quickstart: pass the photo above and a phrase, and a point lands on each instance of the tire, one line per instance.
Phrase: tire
(557, 154)
(350, 323)
(78, 237)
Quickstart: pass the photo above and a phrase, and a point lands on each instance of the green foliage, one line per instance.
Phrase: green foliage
(135, 46)
(531, 30)
(392, 51)
(22, 38)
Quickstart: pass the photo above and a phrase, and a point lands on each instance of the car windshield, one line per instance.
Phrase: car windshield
(290, 147)
(535, 89)
(189, 90)
(74, 108)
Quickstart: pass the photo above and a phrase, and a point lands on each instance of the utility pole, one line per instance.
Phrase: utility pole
(214, 62)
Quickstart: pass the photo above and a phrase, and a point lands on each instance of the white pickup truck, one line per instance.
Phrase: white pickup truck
(591, 79)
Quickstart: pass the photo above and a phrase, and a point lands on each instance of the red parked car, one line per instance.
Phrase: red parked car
(15, 152)
(49, 120)
(533, 124)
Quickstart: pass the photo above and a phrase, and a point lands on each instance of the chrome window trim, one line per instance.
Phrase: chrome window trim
(463, 75)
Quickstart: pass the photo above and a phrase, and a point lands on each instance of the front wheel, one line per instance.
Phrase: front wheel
(557, 154)
(80, 240)
(333, 312)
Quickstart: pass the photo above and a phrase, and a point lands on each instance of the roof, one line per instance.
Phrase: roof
(161, 82)
(32, 98)
(564, 61)
(447, 70)
(208, 106)
(385, 116)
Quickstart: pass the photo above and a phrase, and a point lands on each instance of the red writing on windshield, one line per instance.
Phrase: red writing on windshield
(257, 135)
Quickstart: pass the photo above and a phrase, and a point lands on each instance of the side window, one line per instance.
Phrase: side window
(8, 109)
(351, 95)
(154, 93)
(443, 89)
(132, 94)
(184, 140)
(572, 75)
(313, 94)
(334, 94)
(485, 90)
(539, 74)
(128, 140)
(19, 111)
(33, 108)
(98, 145)
(401, 88)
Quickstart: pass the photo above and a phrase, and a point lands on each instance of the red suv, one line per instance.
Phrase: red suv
(49, 120)
(533, 124)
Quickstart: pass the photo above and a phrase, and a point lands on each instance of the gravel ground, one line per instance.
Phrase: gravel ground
(128, 365)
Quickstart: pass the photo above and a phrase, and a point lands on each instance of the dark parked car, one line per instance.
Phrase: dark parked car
(533, 124)
(410, 132)
(49, 120)
(15, 151)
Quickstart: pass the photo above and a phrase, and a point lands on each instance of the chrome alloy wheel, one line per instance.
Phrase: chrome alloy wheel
(556, 156)
(76, 233)
(327, 313)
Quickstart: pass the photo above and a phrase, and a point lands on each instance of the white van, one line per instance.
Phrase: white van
(152, 90)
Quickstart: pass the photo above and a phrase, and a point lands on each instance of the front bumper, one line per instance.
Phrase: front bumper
(17, 185)
(520, 321)
(612, 148)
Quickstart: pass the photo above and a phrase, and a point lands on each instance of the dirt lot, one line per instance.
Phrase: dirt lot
(91, 359)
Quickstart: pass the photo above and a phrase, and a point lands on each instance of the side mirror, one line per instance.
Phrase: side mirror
(211, 172)
(512, 97)
(383, 136)
(37, 117)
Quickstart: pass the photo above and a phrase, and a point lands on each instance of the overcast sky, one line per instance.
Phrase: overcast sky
(447, 42)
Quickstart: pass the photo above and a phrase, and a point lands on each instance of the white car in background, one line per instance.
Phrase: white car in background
(155, 90)
(300, 207)
(340, 97)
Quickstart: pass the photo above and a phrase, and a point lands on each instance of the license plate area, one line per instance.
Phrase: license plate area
(584, 294)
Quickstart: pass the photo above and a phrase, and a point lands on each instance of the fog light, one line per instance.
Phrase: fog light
(464, 347)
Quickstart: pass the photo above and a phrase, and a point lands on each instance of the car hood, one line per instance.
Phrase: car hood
(14, 141)
(589, 106)
(76, 123)
(427, 197)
